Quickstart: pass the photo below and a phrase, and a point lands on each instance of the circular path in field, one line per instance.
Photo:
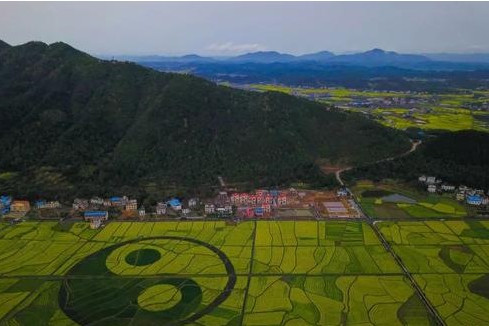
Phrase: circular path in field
(92, 294)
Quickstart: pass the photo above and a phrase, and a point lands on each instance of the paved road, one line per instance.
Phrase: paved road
(415, 285)
(414, 146)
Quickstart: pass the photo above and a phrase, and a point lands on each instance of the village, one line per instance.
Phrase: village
(232, 205)
(229, 204)
(473, 197)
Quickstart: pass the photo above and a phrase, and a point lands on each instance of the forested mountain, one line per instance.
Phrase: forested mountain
(73, 124)
(460, 158)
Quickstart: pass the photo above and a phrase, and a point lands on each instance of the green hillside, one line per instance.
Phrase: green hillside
(460, 158)
(73, 124)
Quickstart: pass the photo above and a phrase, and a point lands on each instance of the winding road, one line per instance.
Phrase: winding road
(414, 146)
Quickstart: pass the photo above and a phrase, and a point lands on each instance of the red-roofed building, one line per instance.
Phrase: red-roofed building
(282, 200)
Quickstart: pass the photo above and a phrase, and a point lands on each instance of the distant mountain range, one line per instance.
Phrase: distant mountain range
(374, 69)
(375, 57)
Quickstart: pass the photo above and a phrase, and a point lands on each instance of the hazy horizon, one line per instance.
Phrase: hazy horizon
(233, 28)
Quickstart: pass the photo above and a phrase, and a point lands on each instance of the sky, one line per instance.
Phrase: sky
(231, 28)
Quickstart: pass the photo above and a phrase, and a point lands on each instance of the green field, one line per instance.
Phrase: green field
(450, 262)
(427, 205)
(203, 273)
(252, 273)
(435, 112)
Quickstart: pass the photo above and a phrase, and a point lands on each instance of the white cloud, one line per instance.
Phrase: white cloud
(232, 48)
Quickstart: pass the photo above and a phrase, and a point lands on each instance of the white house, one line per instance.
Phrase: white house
(460, 195)
(422, 178)
(192, 202)
(209, 208)
(446, 187)
(161, 209)
(432, 188)
(430, 180)
(141, 212)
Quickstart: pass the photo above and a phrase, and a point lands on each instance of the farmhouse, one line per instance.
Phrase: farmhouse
(5, 202)
(185, 210)
(432, 188)
(131, 205)
(474, 200)
(80, 204)
(209, 208)
(175, 204)
(460, 195)
(142, 211)
(95, 218)
(20, 206)
(161, 209)
(430, 180)
(192, 202)
(446, 187)
(118, 201)
(96, 201)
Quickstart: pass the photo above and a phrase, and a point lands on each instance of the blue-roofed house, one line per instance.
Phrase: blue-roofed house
(95, 215)
(40, 203)
(474, 200)
(176, 204)
(259, 211)
(5, 202)
(95, 218)
(116, 201)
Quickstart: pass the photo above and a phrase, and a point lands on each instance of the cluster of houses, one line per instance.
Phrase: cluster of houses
(95, 210)
(476, 197)
(258, 204)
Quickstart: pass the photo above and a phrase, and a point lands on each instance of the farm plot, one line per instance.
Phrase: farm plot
(394, 201)
(333, 300)
(450, 261)
(316, 248)
(461, 299)
(206, 273)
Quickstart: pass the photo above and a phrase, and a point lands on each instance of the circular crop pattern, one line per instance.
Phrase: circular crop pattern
(134, 283)
(159, 297)
(143, 257)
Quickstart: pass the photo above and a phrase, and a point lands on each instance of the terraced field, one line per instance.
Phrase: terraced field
(253, 273)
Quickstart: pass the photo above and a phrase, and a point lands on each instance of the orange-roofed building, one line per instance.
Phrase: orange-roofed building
(20, 206)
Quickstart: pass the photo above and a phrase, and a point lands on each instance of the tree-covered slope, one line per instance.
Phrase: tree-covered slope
(460, 158)
(93, 125)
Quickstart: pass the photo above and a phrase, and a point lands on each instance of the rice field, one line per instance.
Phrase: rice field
(450, 262)
(251, 273)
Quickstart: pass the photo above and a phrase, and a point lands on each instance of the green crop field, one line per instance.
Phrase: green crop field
(251, 273)
(450, 262)
(433, 111)
(425, 205)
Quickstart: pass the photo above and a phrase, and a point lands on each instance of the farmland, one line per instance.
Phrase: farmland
(450, 262)
(402, 110)
(250, 273)
(377, 201)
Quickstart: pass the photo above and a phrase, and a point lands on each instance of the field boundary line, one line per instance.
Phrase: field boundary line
(408, 275)
(250, 274)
